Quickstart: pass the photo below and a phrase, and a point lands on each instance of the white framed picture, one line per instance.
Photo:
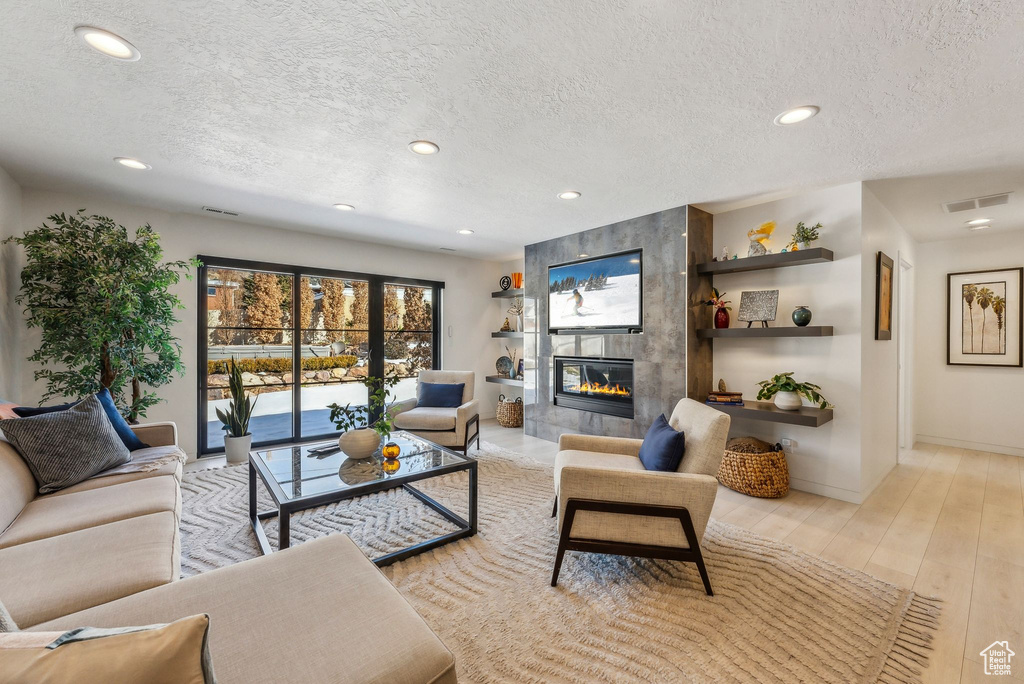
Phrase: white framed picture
(985, 318)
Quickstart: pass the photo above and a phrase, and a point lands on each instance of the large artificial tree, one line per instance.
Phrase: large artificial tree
(101, 300)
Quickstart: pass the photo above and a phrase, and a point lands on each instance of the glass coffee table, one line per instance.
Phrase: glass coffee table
(311, 475)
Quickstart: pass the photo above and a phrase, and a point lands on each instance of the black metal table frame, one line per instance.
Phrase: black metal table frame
(466, 528)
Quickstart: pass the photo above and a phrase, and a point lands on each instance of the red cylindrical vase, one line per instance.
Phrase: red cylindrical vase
(722, 318)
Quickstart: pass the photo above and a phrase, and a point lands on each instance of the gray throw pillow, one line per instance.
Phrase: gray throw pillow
(64, 448)
(6, 621)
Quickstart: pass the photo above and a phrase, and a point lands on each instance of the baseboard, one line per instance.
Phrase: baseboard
(825, 490)
(974, 446)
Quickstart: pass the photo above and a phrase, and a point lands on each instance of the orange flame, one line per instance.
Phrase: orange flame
(597, 388)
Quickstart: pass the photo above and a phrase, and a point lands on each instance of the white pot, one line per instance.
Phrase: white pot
(803, 245)
(237, 448)
(788, 401)
(361, 443)
(519, 321)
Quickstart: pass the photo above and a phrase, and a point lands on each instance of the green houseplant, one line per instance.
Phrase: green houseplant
(235, 421)
(804, 236)
(102, 302)
(364, 427)
(787, 392)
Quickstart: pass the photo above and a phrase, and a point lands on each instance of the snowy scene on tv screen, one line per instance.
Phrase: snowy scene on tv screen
(597, 293)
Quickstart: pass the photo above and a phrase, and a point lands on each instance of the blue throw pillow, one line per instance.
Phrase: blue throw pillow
(663, 447)
(117, 421)
(440, 395)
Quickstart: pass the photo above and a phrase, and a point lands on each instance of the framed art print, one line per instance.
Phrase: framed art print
(883, 298)
(984, 318)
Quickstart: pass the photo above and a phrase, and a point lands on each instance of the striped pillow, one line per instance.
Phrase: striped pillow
(64, 448)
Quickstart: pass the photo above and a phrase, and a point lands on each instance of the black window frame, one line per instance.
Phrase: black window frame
(376, 283)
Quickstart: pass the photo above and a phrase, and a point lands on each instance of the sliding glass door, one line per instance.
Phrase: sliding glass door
(306, 338)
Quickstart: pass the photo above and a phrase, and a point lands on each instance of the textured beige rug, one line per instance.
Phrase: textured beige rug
(778, 615)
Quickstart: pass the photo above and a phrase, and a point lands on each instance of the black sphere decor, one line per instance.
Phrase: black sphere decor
(505, 282)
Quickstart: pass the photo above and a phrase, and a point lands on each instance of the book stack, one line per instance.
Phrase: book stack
(725, 399)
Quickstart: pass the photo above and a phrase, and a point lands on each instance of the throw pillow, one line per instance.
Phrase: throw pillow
(64, 448)
(440, 395)
(176, 653)
(121, 427)
(663, 447)
(7, 409)
(6, 621)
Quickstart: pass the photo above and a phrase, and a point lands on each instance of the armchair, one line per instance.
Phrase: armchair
(607, 502)
(455, 428)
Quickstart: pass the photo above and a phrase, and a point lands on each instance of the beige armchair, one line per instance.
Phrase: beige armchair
(607, 502)
(454, 428)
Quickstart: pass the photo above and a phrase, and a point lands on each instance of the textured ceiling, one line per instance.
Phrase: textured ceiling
(279, 109)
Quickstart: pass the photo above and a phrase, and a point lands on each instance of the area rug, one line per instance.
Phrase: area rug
(778, 615)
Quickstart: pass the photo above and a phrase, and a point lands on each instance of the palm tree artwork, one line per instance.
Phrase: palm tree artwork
(999, 309)
(984, 301)
(970, 293)
(985, 298)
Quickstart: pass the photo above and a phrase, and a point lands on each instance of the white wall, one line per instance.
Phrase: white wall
(827, 459)
(10, 222)
(974, 407)
(468, 284)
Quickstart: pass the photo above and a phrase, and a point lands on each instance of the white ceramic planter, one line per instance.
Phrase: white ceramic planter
(236, 449)
(361, 443)
(803, 245)
(788, 401)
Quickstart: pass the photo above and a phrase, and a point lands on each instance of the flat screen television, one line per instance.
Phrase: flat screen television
(597, 294)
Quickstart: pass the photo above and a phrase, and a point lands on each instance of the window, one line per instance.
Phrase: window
(300, 353)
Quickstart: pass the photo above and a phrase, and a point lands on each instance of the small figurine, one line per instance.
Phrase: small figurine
(506, 327)
(721, 385)
(725, 254)
(758, 236)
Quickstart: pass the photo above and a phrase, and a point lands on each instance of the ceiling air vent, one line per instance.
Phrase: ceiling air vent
(447, 249)
(223, 212)
(976, 203)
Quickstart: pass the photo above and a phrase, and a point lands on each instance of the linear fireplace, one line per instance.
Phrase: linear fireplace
(595, 384)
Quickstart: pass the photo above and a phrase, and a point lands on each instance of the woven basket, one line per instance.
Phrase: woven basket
(510, 413)
(755, 468)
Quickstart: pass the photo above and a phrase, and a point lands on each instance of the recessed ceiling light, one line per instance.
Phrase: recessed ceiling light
(344, 207)
(569, 195)
(979, 222)
(109, 44)
(796, 115)
(424, 147)
(982, 227)
(582, 256)
(464, 231)
(132, 163)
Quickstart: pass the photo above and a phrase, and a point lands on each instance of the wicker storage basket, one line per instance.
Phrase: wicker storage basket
(755, 468)
(510, 413)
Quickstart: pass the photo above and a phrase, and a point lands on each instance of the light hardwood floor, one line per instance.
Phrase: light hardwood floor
(945, 522)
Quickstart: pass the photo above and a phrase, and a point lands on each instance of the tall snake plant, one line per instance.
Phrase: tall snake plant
(236, 418)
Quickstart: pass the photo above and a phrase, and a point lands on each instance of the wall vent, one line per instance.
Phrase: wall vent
(447, 249)
(224, 212)
(977, 203)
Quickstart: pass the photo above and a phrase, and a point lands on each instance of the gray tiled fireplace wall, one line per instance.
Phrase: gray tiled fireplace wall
(659, 353)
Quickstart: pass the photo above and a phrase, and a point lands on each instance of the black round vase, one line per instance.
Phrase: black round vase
(801, 316)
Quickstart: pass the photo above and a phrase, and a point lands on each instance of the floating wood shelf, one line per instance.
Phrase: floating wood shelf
(789, 331)
(509, 293)
(502, 380)
(816, 255)
(507, 334)
(766, 410)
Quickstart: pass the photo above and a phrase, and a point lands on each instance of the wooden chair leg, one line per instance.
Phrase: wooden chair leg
(554, 509)
(563, 540)
(703, 573)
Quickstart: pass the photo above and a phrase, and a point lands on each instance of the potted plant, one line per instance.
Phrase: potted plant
(238, 439)
(721, 307)
(787, 392)
(804, 236)
(360, 437)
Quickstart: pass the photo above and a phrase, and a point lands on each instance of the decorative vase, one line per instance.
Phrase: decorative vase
(236, 449)
(788, 401)
(391, 450)
(801, 316)
(361, 443)
(519, 322)
(721, 318)
(803, 245)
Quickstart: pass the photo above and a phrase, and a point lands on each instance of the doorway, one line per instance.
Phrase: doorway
(904, 343)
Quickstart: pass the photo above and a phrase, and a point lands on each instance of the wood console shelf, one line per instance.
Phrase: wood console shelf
(816, 255)
(502, 380)
(512, 292)
(766, 410)
(507, 334)
(789, 331)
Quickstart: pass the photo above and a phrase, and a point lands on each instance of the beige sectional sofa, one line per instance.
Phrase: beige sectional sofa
(106, 553)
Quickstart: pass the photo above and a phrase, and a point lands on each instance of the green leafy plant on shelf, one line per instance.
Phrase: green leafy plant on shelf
(784, 382)
(236, 419)
(381, 403)
(805, 235)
